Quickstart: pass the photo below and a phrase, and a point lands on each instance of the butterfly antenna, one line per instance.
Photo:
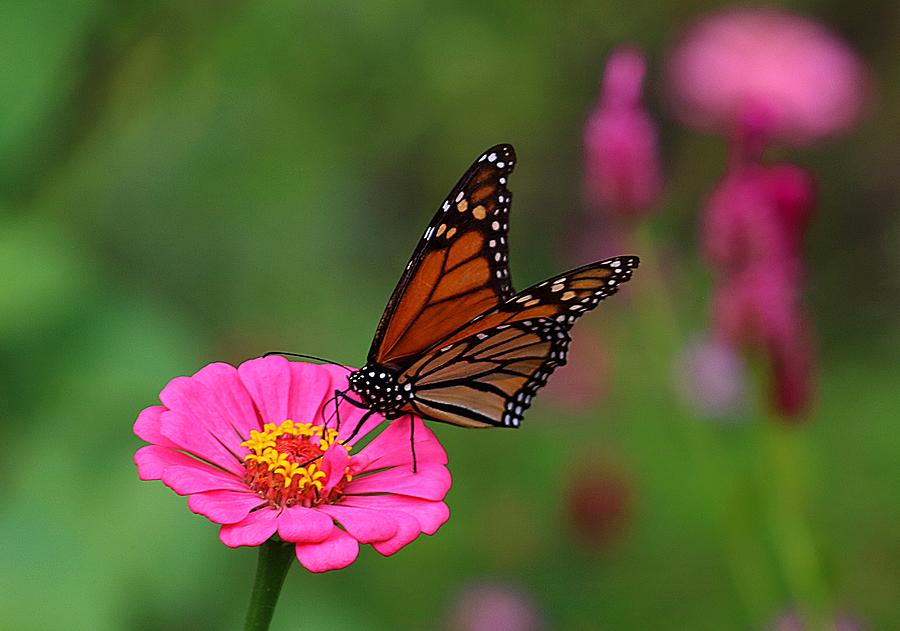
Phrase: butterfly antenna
(302, 356)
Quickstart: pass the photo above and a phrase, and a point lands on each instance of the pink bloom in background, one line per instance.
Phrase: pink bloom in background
(622, 181)
(793, 621)
(711, 379)
(250, 449)
(622, 165)
(758, 212)
(762, 75)
(585, 379)
(493, 606)
(784, 75)
(754, 224)
(599, 503)
(760, 308)
(758, 305)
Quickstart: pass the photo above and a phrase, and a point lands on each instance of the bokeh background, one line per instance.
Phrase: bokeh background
(189, 182)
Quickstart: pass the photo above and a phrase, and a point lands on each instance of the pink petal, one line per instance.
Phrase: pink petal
(311, 387)
(363, 524)
(192, 398)
(254, 529)
(197, 424)
(431, 515)
(391, 447)
(268, 379)
(408, 528)
(311, 396)
(152, 461)
(337, 551)
(224, 507)
(147, 426)
(195, 477)
(304, 525)
(334, 464)
(233, 397)
(431, 482)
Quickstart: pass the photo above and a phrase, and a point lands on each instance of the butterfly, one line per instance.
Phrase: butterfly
(456, 343)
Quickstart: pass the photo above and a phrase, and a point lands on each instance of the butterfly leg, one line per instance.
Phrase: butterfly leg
(365, 417)
(338, 394)
(341, 395)
(412, 442)
(355, 431)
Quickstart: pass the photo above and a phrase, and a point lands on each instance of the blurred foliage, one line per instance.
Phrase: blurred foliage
(187, 182)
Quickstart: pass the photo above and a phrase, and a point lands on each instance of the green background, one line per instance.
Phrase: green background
(184, 182)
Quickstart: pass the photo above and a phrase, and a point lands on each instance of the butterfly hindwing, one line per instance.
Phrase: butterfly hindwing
(487, 373)
(489, 379)
(458, 270)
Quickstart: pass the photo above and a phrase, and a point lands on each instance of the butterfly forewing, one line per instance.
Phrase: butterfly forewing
(563, 298)
(458, 270)
(487, 373)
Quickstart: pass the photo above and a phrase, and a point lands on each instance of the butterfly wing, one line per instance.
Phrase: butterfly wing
(458, 270)
(563, 298)
(488, 376)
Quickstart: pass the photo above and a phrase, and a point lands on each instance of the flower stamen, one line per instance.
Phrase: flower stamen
(284, 463)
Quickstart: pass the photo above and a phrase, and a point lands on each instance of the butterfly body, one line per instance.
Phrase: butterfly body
(379, 390)
(456, 343)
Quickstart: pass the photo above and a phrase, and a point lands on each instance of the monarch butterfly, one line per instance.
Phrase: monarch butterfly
(456, 344)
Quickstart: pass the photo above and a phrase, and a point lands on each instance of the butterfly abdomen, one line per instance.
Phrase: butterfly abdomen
(378, 388)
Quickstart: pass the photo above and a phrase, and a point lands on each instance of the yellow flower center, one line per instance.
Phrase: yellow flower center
(284, 465)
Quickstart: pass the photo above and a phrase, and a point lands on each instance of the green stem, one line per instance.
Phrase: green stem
(275, 559)
(788, 468)
(705, 452)
(782, 469)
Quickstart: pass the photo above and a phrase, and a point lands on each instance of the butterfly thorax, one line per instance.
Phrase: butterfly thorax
(379, 389)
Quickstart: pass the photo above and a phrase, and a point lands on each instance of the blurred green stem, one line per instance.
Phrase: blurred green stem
(275, 559)
(783, 476)
(782, 469)
(715, 475)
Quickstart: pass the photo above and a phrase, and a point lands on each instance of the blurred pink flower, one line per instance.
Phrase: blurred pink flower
(494, 607)
(760, 308)
(758, 212)
(584, 380)
(766, 72)
(622, 169)
(792, 376)
(793, 621)
(710, 378)
(599, 504)
(753, 228)
(792, 191)
(250, 449)
(758, 304)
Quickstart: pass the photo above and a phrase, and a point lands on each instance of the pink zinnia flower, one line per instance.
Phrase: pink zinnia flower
(250, 449)
(766, 72)
(622, 166)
